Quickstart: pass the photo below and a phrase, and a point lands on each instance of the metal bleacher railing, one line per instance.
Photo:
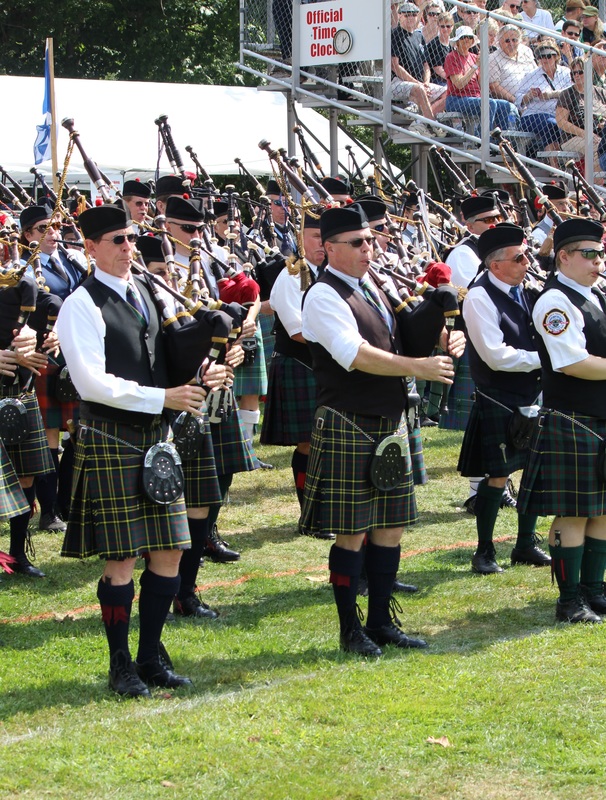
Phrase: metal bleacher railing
(269, 37)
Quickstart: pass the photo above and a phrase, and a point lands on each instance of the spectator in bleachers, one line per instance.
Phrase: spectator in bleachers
(570, 113)
(467, 17)
(410, 70)
(571, 30)
(573, 11)
(538, 94)
(513, 7)
(533, 13)
(508, 65)
(461, 68)
(599, 64)
(593, 27)
(439, 47)
(430, 16)
(493, 31)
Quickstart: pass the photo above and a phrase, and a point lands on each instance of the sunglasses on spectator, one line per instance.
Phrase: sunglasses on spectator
(589, 252)
(577, 72)
(54, 225)
(121, 238)
(576, 34)
(358, 242)
(446, 27)
(191, 228)
(433, 14)
(511, 41)
(546, 56)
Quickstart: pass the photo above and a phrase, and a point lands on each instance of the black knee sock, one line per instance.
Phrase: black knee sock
(566, 567)
(487, 509)
(66, 472)
(116, 604)
(213, 513)
(345, 566)
(190, 560)
(18, 526)
(157, 593)
(299, 470)
(46, 486)
(593, 565)
(381, 567)
(527, 524)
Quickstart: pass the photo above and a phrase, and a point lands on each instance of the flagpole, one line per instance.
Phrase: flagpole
(53, 130)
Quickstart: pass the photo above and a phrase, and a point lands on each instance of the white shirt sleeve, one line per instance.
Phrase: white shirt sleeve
(285, 299)
(330, 322)
(560, 324)
(81, 331)
(464, 264)
(482, 321)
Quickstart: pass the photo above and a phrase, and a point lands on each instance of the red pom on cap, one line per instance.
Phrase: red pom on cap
(99, 201)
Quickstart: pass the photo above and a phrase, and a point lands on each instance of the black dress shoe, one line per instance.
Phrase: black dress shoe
(158, 672)
(24, 566)
(123, 677)
(356, 641)
(576, 610)
(391, 634)
(483, 562)
(597, 602)
(404, 588)
(362, 587)
(533, 556)
(217, 550)
(52, 523)
(192, 606)
(508, 500)
(329, 537)
(470, 504)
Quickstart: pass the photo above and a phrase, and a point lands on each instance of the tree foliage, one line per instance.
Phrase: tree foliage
(176, 41)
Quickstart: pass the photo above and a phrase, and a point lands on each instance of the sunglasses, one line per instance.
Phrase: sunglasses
(277, 203)
(488, 220)
(511, 41)
(56, 226)
(519, 259)
(433, 14)
(191, 228)
(577, 72)
(121, 238)
(380, 227)
(575, 34)
(358, 242)
(547, 57)
(446, 27)
(141, 203)
(589, 252)
(515, 8)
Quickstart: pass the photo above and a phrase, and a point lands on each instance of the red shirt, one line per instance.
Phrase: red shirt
(456, 64)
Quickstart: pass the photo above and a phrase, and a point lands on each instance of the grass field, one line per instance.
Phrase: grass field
(277, 711)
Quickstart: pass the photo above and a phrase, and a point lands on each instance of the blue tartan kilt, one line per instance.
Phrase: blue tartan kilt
(561, 476)
(231, 448)
(252, 378)
(291, 402)
(31, 456)
(12, 500)
(460, 400)
(266, 322)
(485, 450)
(339, 497)
(110, 516)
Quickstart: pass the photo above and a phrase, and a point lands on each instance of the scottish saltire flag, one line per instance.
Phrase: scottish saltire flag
(42, 145)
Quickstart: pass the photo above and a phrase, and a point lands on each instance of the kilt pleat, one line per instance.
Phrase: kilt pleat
(339, 497)
(485, 450)
(54, 414)
(561, 475)
(459, 398)
(231, 449)
(290, 404)
(201, 484)
(32, 456)
(252, 378)
(415, 441)
(12, 500)
(109, 514)
(266, 322)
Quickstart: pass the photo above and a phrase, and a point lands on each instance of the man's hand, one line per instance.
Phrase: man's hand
(435, 368)
(8, 362)
(456, 343)
(24, 342)
(235, 356)
(185, 398)
(51, 344)
(215, 376)
(34, 362)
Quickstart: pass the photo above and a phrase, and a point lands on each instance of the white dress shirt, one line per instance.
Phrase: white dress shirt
(286, 297)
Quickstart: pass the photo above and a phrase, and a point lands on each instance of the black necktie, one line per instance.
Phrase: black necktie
(56, 265)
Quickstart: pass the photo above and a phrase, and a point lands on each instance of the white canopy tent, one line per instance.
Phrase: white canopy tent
(115, 120)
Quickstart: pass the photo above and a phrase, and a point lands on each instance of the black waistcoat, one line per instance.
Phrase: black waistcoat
(355, 391)
(564, 392)
(518, 331)
(132, 351)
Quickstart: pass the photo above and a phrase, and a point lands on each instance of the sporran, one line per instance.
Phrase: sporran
(14, 427)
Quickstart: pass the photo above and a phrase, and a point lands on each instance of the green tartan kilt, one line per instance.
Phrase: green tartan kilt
(339, 497)
(484, 450)
(201, 484)
(291, 402)
(109, 514)
(12, 499)
(231, 448)
(252, 378)
(32, 456)
(561, 475)
(266, 322)
(415, 442)
(459, 397)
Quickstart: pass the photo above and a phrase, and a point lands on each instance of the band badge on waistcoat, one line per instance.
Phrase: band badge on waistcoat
(555, 322)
